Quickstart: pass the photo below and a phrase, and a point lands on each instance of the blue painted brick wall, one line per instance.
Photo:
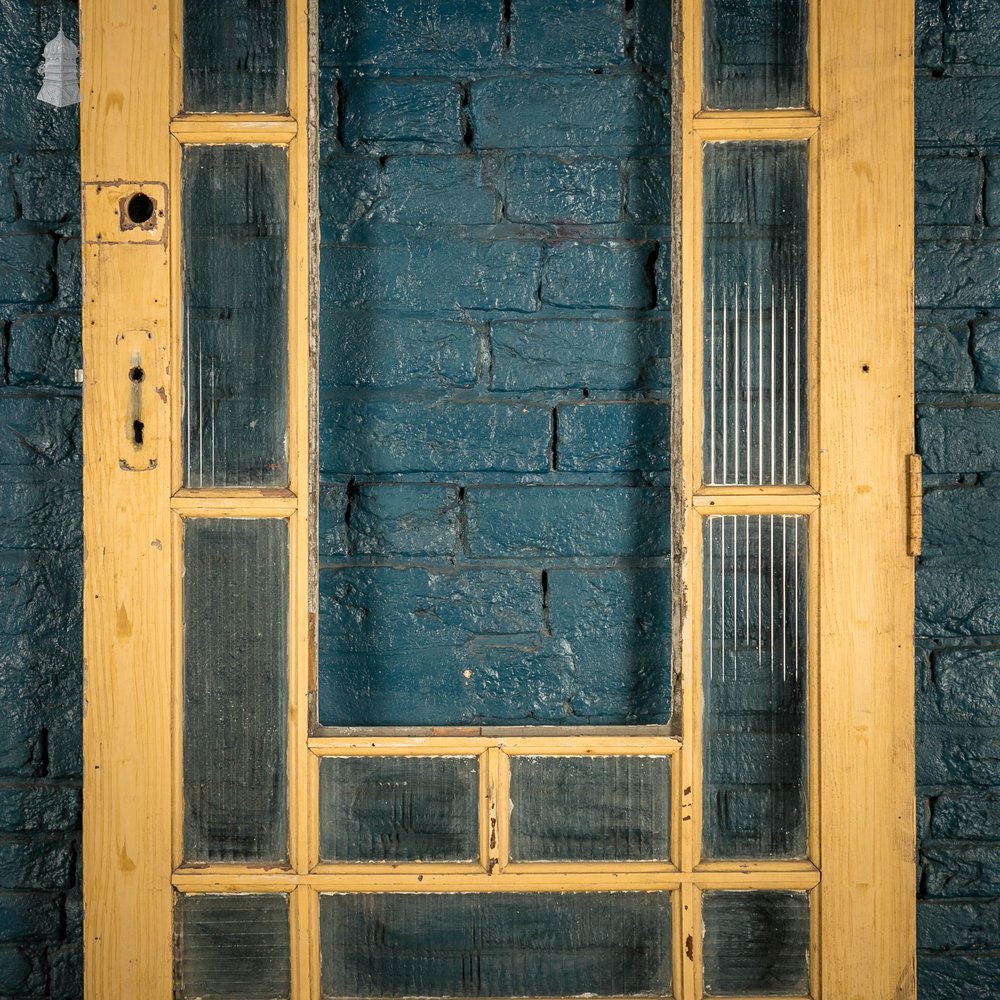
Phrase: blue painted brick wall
(958, 428)
(40, 536)
(407, 182)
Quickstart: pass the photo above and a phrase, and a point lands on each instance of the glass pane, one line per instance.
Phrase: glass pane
(234, 56)
(754, 686)
(399, 808)
(506, 944)
(755, 217)
(590, 808)
(756, 943)
(755, 53)
(235, 690)
(235, 316)
(232, 946)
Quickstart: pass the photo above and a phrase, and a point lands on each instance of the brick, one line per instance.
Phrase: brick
(613, 437)
(69, 273)
(650, 43)
(957, 597)
(39, 808)
(29, 916)
(966, 687)
(418, 37)
(959, 439)
(443, 275)
(45, 349)
(991, 192)
(948, 190)
(614, 626)
(581, 353)
(562, 190)
(929, 38)
(349, 188)
(957, 926)
(385, 349)
(389, 520)
(536, 521)
(38, 430)
(27, 264)
(955, 870)
(40, 508)
(957, 977)
(35, 864)
(958, 757)
(409, 646)
(66, 962)
(386, 115)
(986, 354)
(371, 438)
(28, 123)
(942, 358)
(962, 522)
(611, 274)
(48, 186)
(436, 190)
(957, 112)
(966, 817)
(578, 111)
(648, 190)
(567, 33)
(972, 34)
(39, 595)
(957, 274)
(22, 972)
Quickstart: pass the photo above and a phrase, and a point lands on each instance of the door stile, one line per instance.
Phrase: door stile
(124, 124)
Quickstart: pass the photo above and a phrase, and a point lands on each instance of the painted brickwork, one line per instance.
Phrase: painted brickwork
(958, 425)
(573, 261)
(40, 541)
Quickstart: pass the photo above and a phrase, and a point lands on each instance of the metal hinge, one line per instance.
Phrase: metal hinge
(914, 502)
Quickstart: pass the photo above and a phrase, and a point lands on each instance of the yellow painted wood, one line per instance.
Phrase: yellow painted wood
(215, 130)
(126, 311)
(866, 804)
(915, 501)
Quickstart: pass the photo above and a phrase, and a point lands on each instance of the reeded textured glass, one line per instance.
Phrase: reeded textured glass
(235, 227)
(235, 689)
(755, 54)
(235, 55)
(756, 943)
(503, 944)
(232, 947)
(754, 686)
(754, 334)
(590, 808)
(398, 808)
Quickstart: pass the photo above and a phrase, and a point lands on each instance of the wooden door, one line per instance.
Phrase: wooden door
(770, 830)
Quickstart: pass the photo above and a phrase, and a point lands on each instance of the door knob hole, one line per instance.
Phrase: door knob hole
(140, 208)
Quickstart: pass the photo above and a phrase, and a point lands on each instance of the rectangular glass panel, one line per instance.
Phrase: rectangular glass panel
(756, 943)
(505, 944)
(754, 686)
(235, 224)
(232, 946)
(755, 54)
(399, 808)
(590, 808)
(235, 55)
(754, 334)
(235, 690)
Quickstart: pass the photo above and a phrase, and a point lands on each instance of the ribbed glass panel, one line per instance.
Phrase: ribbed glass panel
(590, 808)
(756, 943)
(235, 229)
(755, 341)
(754, 686)
(502, 944)
(235, 54)
(235, 690)
(399, 808)
(755, 54)
(232, 947)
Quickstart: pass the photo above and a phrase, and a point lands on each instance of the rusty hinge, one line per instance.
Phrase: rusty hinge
(914, 503)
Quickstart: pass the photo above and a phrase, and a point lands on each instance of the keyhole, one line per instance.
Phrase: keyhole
(137, 432)
(140, 208)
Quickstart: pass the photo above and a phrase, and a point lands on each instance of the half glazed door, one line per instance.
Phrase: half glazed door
(319, 767)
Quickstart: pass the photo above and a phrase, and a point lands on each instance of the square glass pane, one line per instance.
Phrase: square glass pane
(590, 808)
(502, 944)
(756, 943)
(399, 808)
